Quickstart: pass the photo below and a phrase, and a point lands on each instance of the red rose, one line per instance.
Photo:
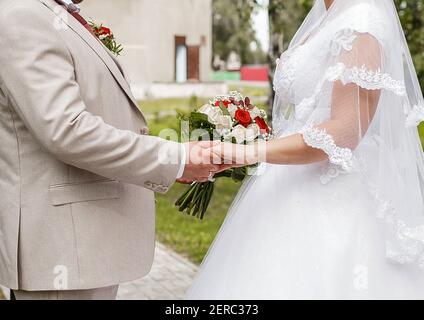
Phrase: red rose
(262, 124)
(105, 31)
(217, 104)
(226, 103)
(243, 117)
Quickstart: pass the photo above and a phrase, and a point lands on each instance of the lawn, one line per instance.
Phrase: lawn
(421, 131)
(155, 106)
(173, 104)
(187, 235)
(251, 91)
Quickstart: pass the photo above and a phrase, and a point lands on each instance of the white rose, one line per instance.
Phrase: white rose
(232, 110)
(224, 122)
(224, 125)
(252, 132)
(205, 109)
(255, 112)
(239, 133)
(213, 113)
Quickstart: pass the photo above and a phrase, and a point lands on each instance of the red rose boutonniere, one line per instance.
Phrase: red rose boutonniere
(106, 36)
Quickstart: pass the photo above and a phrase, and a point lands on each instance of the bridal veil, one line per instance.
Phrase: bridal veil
(362, 112)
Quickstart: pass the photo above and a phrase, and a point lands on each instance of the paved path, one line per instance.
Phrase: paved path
(169, 279)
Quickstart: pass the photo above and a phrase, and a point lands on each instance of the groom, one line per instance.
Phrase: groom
(78, 170)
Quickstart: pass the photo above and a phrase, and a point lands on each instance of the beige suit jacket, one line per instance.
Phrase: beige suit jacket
(77, 168)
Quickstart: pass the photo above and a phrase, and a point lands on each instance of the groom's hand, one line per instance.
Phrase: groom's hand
(201, 162)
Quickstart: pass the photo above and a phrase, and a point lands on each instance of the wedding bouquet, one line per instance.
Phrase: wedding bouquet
(230, 118)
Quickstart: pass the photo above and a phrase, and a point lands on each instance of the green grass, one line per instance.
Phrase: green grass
(187, 235)
(250, 91)
(421, 131)
(168, 122)
(160, 105)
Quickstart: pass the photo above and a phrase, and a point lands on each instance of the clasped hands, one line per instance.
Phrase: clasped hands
(205, 159)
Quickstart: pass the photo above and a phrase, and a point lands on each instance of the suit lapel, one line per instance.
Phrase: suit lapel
(115, 59)
(98, 48)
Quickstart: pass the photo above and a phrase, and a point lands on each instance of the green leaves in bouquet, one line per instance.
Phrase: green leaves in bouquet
(224, 110)
(239, 174)
(198, 121)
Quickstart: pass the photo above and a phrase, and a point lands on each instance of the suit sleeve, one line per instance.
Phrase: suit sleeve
(38, 73)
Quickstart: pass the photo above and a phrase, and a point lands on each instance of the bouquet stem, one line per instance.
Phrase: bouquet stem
(196, 199)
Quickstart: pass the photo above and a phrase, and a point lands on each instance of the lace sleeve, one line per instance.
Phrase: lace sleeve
(355, 81)
(320, 139)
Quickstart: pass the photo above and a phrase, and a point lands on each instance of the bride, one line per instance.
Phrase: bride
(338, 212)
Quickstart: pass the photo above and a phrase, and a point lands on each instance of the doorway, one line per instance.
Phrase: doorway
(181, 58)
(193, 63)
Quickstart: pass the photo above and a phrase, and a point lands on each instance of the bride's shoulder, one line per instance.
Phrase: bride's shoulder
(363, 7)
(362, 18)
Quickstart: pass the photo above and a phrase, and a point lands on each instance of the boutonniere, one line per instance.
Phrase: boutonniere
(106, 36)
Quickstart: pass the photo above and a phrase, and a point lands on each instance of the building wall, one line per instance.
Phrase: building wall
(147, 29)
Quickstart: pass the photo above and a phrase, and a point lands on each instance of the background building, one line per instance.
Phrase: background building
(165, 41)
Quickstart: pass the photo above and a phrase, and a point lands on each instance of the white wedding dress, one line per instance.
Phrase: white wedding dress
(350, 227)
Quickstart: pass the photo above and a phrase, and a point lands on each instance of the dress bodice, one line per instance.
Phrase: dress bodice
(299, 71)
(296, 75)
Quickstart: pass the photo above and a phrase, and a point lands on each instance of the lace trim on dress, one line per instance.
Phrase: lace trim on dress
(320, 139)
(372, 80)
(405, 245)
(364, 78)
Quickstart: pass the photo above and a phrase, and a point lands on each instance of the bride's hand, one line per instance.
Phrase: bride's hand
(236, 155)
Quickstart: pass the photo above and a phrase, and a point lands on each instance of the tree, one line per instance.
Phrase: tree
(233, 29)
(411, 14)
